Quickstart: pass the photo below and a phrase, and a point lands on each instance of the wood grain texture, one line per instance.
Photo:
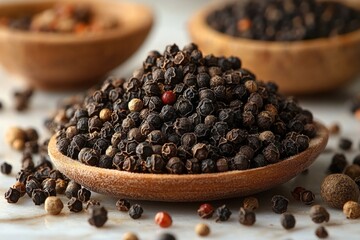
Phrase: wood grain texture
(301, 67)
(191, 187)
(57, 61)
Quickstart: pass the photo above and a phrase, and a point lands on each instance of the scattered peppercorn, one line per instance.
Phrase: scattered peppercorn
(223, 213)
(279, 204)
(321, 232)
(12, 195)
(334, 128)
(130, 236)
(166, 236)
(22, 99)
(250, 203)
(307, 197)
(202, 229)
(75, 205)
(296, 193)
(337, 189)
(205, 210)
(338, 163)
(345, 144)
(351, 210)
(353, 171)
(247, 217)
(135, 211)
(287, 220)
(6, 168)
(319, 214)
(53, 205)
(98, 216)
(91, 202)
(84, 195)
(123, 205)
(163, 219)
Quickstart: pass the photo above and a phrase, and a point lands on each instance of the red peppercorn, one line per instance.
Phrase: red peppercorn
(168, 97)
(163, 219)
(205, 210)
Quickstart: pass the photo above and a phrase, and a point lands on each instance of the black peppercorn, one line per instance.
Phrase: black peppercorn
(38, 196)
(338, 163)
(155, 163)
(12, 195)
(6, 168)
(169, 150)
(84, 195)
(200, 151)
(279, 204)
(98, 216)
(175, 166)
(208, 166)
(144, 150)
(75, 205)
(135, 211)
(288, 220)
(193, 166)
(345, 144)
(247, 217)
(223, 213)
(72, 189)
(271, 153)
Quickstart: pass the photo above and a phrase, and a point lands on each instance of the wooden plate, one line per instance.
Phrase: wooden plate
(189, 187)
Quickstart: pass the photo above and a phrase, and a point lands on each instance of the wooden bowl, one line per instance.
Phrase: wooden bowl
(57, 61)
(300, 67)
(188, 187)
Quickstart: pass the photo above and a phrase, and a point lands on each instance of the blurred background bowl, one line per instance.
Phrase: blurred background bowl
(300, 67)
(57, 61)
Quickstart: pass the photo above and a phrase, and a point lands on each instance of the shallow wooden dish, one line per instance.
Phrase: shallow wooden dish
(57, 61)
(301, 67)
(186, 188)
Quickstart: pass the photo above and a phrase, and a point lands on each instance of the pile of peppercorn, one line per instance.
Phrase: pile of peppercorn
(285, 20)
(184, 113)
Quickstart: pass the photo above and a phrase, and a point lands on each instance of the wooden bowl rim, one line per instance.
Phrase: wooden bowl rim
(198, 20)
(319, 139)
(144, 20)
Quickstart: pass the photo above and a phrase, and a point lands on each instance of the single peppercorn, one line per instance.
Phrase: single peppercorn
(12, 195)
(135, 211)
(98, 216)
(135, 105)
(321, 232)
(38, 196)
(205, 210)
(296, 193)
(202, 229)
(53, 205)
(91, 202)
(247, 217)
(72, 189)
(319, 214)
(163, 219)
(287, 220)
(75, 205)
(6, 168)
(351, 210)
(223, 213)
(123, 205)
(307, 197)
(279, 204)
(166, 236)
(338, 163)
(20, 187)
(84, 195)
(130, 236)
(345, 144)
(168, 97)
(250, 203)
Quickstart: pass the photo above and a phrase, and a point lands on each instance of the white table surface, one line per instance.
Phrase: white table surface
(26, 221)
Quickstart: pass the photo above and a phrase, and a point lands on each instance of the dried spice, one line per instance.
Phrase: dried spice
(351, 210)
(53, 205)
(279, 204)
(166, 236)
(205, 210)
(337, 189)
(247, 217)
(250, 203)
(319, 214)
(12, 195)
(202, 229)
(135, 211)
(163, 219)
(98, 216)
(345, 144)
(287, 220)
(129, 236)
(278, 20)
(123, 205)
(5, 168)
(223, 213)
(184, 113)
(75, 205)
(321, 232)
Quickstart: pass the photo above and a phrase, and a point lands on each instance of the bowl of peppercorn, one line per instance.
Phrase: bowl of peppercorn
(184, 127)
(58, 45)
(305, 47)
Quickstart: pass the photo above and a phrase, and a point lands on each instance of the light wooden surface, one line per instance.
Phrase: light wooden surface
(57, 61)
(301, 67)
(188, 187)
